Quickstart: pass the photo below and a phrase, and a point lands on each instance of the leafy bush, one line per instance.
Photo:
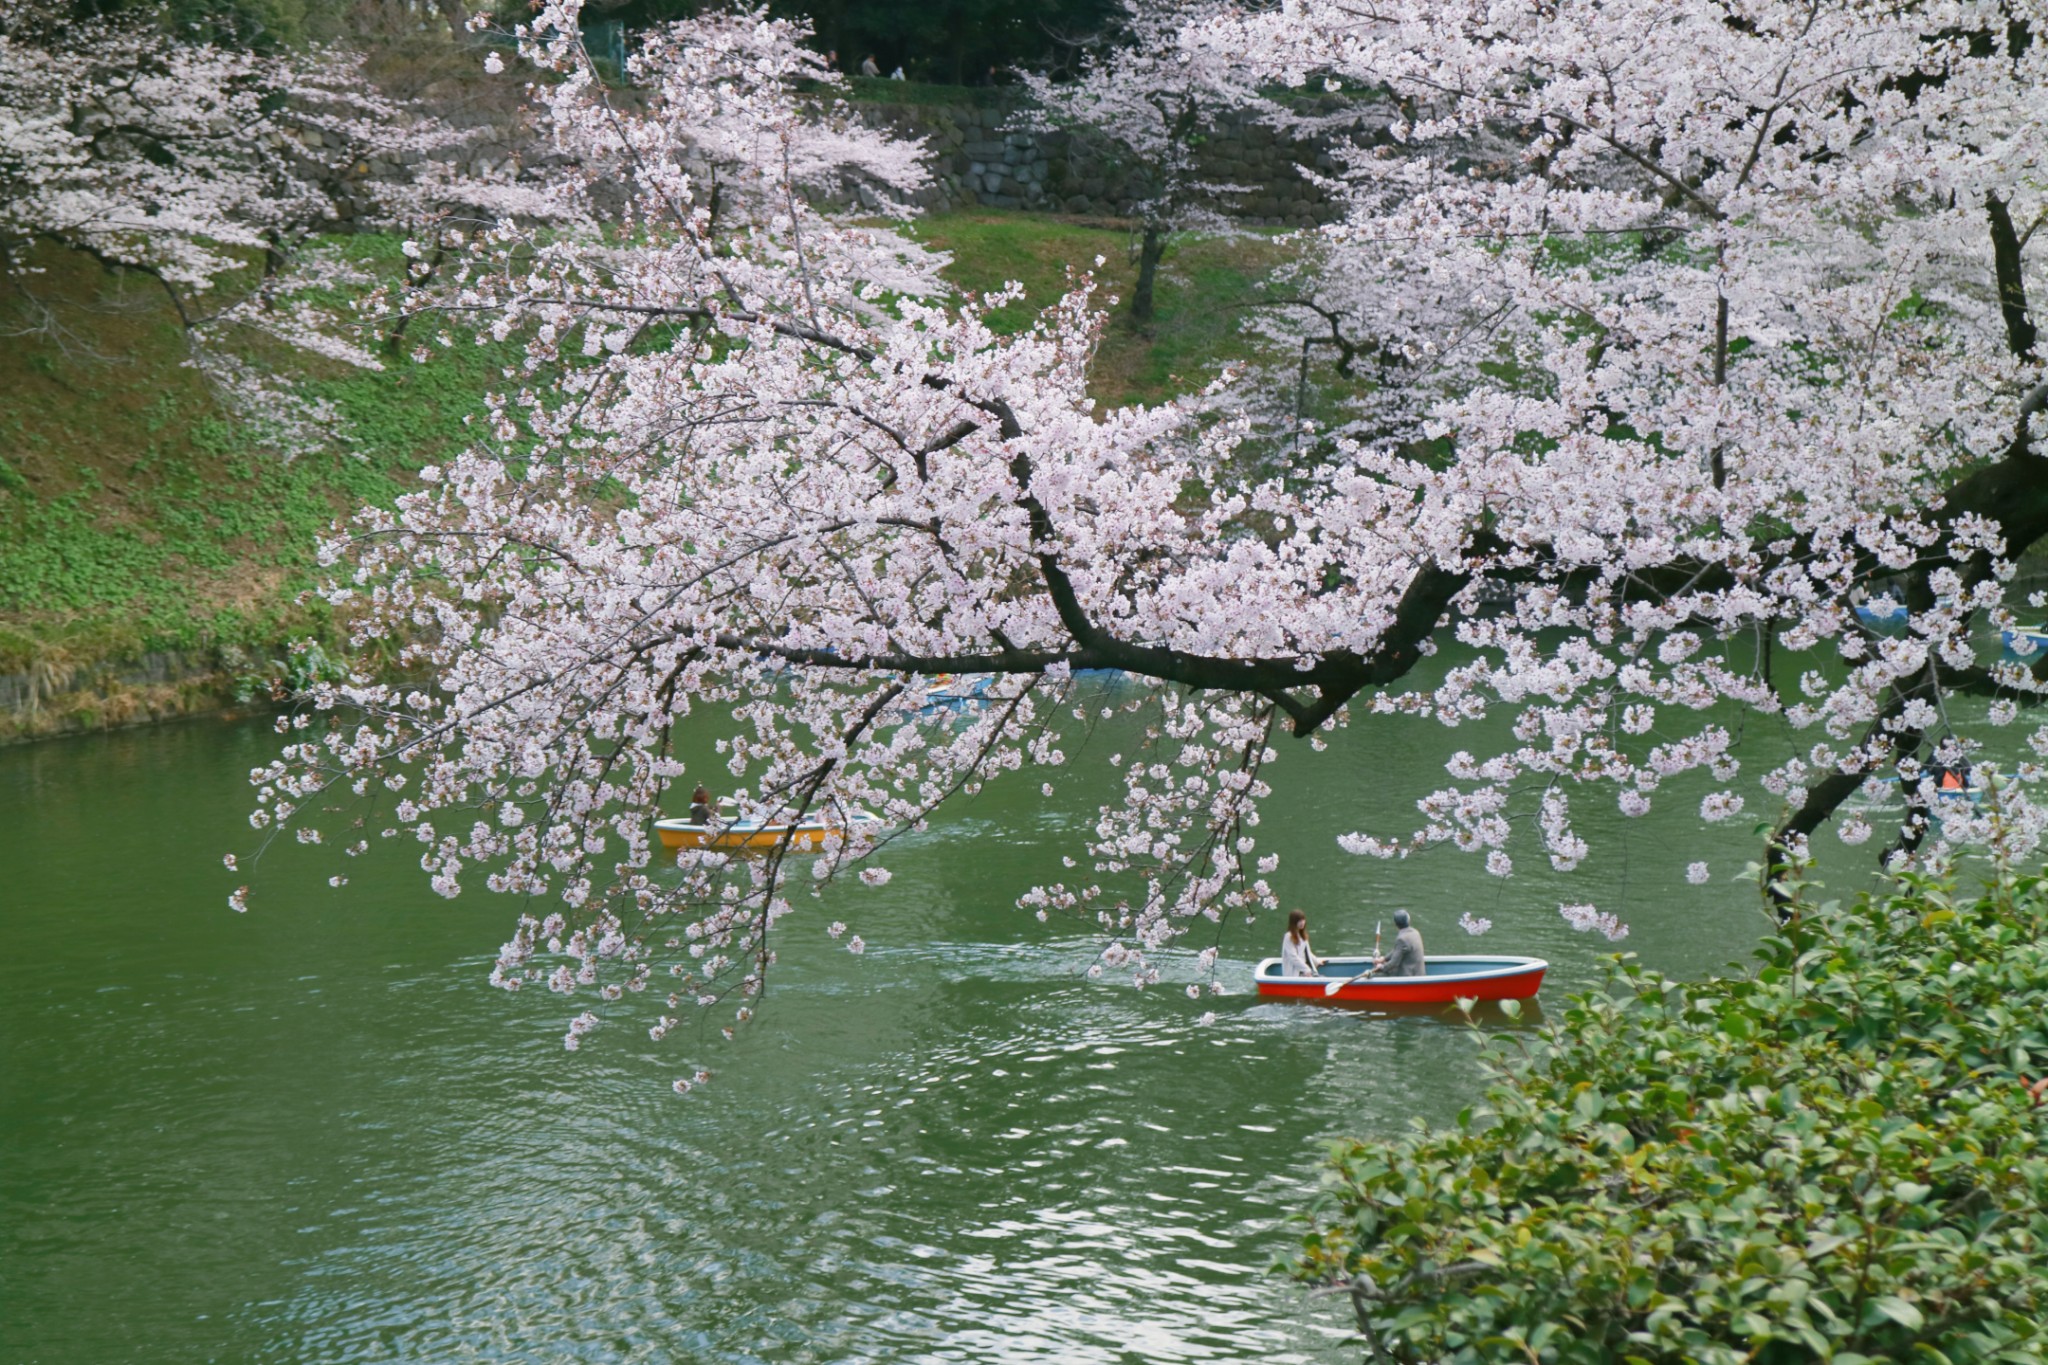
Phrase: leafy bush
(1834, 1157)
(305, 666)
(882, 90)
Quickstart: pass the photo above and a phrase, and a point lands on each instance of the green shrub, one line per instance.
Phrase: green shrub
(1833, 1157)
(882, 90)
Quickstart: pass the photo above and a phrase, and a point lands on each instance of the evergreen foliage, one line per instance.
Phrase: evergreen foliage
(954, 42)
(1835, 1156)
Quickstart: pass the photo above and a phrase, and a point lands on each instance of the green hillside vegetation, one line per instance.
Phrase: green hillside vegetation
(138, 515)
(1206, 286)
(1837, 1155)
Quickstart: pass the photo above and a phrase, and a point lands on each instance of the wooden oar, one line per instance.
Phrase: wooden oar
(1341, 982)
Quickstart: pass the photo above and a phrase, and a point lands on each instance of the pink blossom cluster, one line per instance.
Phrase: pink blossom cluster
(1586, 919)
(1681, 367)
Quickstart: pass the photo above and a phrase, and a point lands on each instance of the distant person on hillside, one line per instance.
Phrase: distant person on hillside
(1407, 958)
(868, 67)
(897, 74)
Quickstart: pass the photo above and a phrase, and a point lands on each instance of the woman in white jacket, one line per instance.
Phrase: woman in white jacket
(1295, 957)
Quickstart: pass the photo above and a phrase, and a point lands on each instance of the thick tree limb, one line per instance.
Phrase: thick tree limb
(2020, 333)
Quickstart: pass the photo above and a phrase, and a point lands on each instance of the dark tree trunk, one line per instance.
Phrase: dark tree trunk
(1150, 250)
(457, 15)
(2006, 246)
(2012, 492)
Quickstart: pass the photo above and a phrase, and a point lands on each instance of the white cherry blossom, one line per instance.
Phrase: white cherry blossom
(1752, 339)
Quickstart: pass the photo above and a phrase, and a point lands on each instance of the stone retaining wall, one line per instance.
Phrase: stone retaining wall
(55, 700)
(980, 158)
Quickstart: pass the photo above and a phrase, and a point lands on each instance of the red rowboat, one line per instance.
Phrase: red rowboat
(1450, 978)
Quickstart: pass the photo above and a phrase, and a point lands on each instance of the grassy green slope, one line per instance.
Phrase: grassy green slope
(137, 515)
(1204, 289)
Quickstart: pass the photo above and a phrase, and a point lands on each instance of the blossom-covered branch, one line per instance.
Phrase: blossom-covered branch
(1729, 351)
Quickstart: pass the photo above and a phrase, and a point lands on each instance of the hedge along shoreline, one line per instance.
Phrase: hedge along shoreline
(1837, 1156)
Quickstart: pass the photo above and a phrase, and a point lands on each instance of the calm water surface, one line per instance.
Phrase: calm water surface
(315, 1134)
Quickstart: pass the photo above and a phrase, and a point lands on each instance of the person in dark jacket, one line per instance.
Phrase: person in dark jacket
(1406, 959)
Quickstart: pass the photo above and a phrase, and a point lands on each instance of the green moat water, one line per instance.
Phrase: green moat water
(314, 1133)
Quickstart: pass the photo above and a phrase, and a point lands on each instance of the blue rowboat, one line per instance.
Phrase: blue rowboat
(2027, 643)
(1883, 613)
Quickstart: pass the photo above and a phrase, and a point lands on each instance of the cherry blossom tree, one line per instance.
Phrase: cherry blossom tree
(149, 153)
(1146, 103)
(1753, 288)
(1752, 280)
(722, 90)
(208, 169)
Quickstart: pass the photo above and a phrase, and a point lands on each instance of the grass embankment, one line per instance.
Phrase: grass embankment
(137, 515)
(1205, 288)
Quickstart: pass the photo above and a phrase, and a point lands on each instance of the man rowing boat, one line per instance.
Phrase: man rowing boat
(1407, 957)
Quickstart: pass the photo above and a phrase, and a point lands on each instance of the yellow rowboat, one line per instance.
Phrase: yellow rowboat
(727, 836)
